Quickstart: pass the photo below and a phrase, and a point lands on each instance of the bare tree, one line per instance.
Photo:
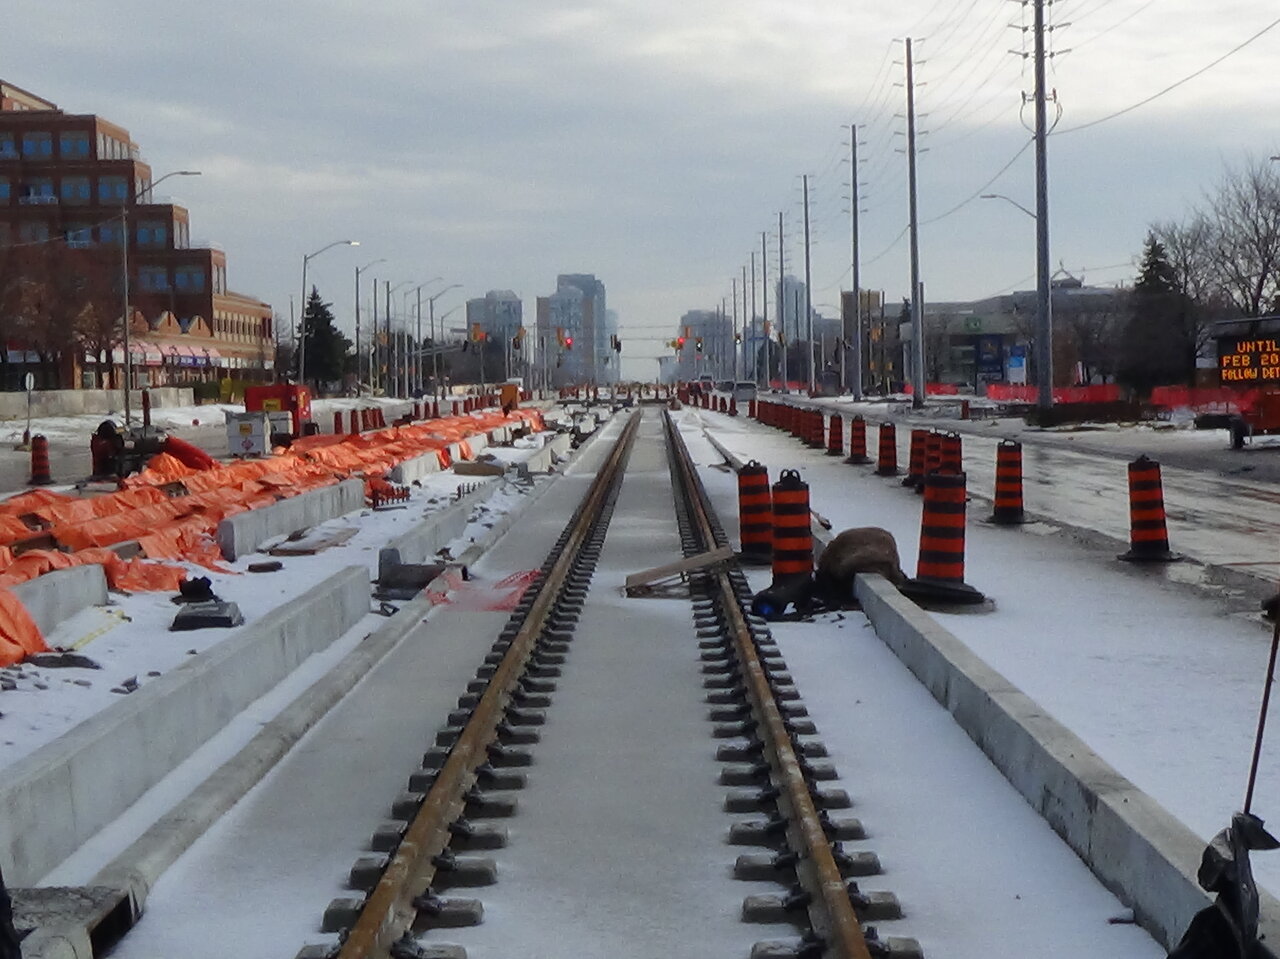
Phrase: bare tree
(1089, 329)
(1244, 247)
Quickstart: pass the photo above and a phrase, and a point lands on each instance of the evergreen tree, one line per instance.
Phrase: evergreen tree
(326, 348)
(1153, 350)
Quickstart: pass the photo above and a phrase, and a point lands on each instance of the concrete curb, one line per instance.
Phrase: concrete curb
(1133, 845)
(423, 542)
(59, 796)
(245, 532)
(56, 596)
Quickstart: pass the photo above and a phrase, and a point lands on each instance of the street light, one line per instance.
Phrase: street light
(1001, 196)
(435, 352)
(302, 309)
(415, 381)
(124, 268)
(359, 356)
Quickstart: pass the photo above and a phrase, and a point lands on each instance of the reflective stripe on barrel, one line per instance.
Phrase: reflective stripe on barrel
(1008, 498)
(887, 465)
(1147, 530)
(942, 528)
(816, 437)
(792, 533)
(755, 511)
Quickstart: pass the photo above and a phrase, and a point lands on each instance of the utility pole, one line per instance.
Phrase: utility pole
(740, 350)
(917, 307)
(746, 335)
(734, 281)
(1044, 299)
(853, 330)
(808, 290)
(782, 313)
(764, 306)
(386, 312)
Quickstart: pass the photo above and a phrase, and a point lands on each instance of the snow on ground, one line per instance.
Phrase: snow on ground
(1161, 682)
(131, 640)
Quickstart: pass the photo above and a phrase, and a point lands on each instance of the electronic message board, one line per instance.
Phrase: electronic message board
(1249, 360)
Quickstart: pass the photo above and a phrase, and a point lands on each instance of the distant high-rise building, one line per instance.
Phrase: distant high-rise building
(68, 184)
(498, 316)
(573, 332)
(790, 293)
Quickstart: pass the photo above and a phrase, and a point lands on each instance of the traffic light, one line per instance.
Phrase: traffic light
(568, 342)
(679, 342)
(698, 344)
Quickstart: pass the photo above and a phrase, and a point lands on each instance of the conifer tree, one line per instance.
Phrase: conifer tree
(1154, 350)
(325, 346)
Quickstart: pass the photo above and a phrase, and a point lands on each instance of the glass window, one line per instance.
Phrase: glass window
(152, 233)
(79, 235)
(6, 189)
(153, 278)
(38, 190)
(8, 149)
(189, 279)
(109, 232)
(75, 189)
(111, 189)
(73, 144)
(37, 144)
(33, 231)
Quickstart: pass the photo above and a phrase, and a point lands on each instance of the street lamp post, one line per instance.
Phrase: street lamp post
(435, 352)
(415, 381)
(301, 332)
(124, 270)
(359, 355)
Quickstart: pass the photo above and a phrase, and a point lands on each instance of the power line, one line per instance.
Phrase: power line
(982, 189)
(1173, 86)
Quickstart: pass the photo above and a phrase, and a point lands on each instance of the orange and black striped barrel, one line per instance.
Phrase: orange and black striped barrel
(41, 475)
(915, 459)
(857, 441)
(952, 454)
(355, 421)
(1008, 498)
(835, 435)
(887, 464)
(932, 453)
(755, 513)
(792, 534)
(941, 557)
(435, 409)
(1148, 535)
(816, 434)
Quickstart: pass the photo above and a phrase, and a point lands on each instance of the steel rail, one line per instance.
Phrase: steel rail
(389, 910)
(834, 918)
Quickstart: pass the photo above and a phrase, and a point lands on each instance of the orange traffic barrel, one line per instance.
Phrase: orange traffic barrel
(887, 465)
(940, 564)
(40, 474)
(753, 408)
(815, 435)
(952, 454)
(755, 514)
(1148, 535)
(932, 454)
(835, 435)
(355, 421)
(733, 406)
(792, 533)
(1008, 499)
(435, 409)
(337, 421)
(857, 442)
(915, 459)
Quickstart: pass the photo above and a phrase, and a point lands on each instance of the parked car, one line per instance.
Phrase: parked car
(744, 391)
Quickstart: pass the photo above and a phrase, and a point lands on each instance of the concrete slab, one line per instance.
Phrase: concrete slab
(414, 468)
(56, 596)
(245, 532)
(60, 795)
(1136, 848)
(423, 542)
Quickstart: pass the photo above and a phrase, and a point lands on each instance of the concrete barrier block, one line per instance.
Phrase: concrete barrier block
(244, 532)
(1136, 848)
(423, 542)
(56, 596)
(58, 797)
(414, 468)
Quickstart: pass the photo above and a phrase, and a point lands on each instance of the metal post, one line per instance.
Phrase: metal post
(917, 303)
(782, 313)
(854, 337)
(1044, 302)
(808, 289)
(417, 353)
(435, 350)
(741, 353)
(764, 304)
(358, 364)
(299, 334)
(124, 261)
(746, 337)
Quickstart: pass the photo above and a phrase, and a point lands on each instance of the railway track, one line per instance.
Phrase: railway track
(762, 744)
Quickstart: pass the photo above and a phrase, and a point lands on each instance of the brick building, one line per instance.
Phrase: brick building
(69, 183)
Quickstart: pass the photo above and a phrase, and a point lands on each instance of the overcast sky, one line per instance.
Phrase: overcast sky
(496, 143)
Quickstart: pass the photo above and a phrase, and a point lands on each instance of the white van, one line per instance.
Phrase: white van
(744, 391)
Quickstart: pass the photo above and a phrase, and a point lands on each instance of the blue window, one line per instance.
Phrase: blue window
(112, 189)
(8, 149)
(6, 190)
(33, 231)
(37, 144)
(152, 233)
(79, 235)
(153, 278)
(109, 232)
(73, 144)
(75, 189)
(189, 279)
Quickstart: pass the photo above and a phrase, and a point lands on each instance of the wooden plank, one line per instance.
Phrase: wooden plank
(637, 582)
